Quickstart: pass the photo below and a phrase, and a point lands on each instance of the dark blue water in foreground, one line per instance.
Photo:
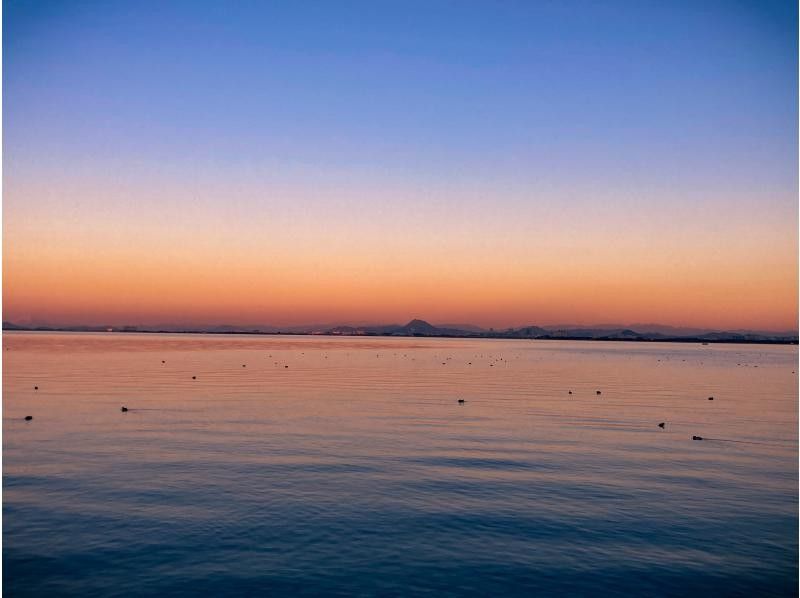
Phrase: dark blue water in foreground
(354, 471)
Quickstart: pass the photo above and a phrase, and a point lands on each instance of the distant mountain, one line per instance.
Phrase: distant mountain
(665, 330)
(464, 327)
(421, 328)
(596, 333)
(647, 329)
(415, 327)
(524, 332)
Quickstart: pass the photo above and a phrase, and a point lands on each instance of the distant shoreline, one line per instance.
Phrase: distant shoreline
(476, 336)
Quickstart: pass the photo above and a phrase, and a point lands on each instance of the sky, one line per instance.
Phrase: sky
(497, 163)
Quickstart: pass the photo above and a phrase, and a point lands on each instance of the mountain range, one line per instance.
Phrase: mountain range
(421, 328)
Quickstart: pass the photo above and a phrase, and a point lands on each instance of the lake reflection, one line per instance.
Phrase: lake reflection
(355, 471)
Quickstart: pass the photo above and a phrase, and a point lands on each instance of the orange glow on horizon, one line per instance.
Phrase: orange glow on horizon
(525, 166)
(369, 281)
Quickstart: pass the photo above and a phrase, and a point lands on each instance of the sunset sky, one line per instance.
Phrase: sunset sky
(497, 163)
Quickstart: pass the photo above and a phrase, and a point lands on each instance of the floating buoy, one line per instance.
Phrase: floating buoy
(35, 388)
(569, 392)
(194, 377)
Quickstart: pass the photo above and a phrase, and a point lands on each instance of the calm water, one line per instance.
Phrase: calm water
(355, 471)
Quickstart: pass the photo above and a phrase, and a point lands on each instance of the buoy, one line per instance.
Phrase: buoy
(569, 391)
(28, 418)
(35, 388)
(194, 377)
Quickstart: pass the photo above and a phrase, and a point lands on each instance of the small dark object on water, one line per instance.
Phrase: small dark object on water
(124, 409)
(35, 388)
(461, 401)
(244, 365)
(710, 398)
(661, 425)
(286, 366)
(697, 438)
(569, 391)
(598, 392)
(28, 418)
(194, 377)
(162, 361)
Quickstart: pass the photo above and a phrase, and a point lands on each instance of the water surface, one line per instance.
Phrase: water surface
(346, 466)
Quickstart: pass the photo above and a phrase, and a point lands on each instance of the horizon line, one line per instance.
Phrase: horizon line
(639, 327)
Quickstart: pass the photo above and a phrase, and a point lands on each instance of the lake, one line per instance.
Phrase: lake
(306, 465)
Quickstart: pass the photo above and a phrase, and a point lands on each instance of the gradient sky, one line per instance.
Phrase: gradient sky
(499, 163)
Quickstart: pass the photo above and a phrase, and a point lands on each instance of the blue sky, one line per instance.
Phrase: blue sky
(669, 118)
(520, 89)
